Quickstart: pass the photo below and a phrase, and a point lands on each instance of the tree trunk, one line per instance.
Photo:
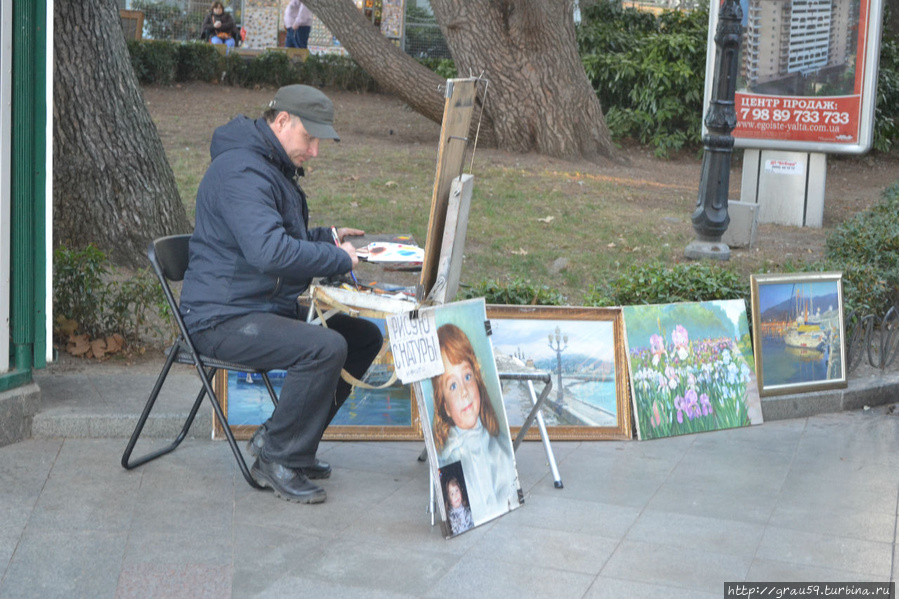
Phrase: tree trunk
(539, 96)
(394, 70)
(538, 99)
(112, 185)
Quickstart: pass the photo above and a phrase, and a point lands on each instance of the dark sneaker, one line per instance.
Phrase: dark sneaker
(287, 483)
(318, 471)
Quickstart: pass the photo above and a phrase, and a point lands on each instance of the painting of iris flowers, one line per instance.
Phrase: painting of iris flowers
(691, 368)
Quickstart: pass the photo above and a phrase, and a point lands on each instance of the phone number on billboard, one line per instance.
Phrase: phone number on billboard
(797, 116)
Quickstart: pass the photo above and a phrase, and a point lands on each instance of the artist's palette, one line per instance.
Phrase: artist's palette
(380, 251)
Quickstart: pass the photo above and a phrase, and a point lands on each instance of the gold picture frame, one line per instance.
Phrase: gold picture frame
(389, 414)
(583, 347)
(798, 332)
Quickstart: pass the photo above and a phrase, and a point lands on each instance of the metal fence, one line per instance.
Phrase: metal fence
(876, 339)
(422, 37)
(180, 21)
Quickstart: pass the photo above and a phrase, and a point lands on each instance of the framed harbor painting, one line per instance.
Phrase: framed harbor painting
(691, 367)
(583, 349)
(388, 414)
(797, 325)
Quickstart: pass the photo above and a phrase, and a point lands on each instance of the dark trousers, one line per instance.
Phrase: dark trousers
(313, 356)
(298, 38)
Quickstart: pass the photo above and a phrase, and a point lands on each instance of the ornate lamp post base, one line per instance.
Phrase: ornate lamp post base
(707, 250)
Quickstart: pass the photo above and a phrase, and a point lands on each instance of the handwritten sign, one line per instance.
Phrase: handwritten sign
(415, 347)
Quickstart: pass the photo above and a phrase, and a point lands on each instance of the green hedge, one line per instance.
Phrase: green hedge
(866, 249)
(164, 63)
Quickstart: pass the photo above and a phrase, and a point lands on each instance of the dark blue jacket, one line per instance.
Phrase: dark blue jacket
(251, 250)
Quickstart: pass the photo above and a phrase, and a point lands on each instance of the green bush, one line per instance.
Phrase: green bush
(866, 249)
(273, 68)
(331, 70)
(235, 69)
(197, 61)
(78, 287)
(445, 67)
(886, 119)
(154, 62)
(84, 293)
(164, 62)
(662, 284)
(514, 292)
(648, 72)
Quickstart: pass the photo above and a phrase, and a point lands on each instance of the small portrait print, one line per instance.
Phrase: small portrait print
(455, 496)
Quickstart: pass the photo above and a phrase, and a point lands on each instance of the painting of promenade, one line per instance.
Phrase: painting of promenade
(582, 350)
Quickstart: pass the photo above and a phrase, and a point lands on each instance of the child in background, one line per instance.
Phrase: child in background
(466, 428)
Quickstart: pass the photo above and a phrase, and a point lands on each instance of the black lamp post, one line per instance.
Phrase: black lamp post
(560, 345)
(710, 219)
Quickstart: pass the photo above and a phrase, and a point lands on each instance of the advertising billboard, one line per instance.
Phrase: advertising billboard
(808, 74)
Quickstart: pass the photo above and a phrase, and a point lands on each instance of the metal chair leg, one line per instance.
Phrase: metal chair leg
(129, 464)
(217, 407)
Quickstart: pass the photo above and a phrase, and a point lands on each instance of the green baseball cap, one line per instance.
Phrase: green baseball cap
(314, 108)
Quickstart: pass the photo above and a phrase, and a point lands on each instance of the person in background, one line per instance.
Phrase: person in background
(219, 27)
(298, 22)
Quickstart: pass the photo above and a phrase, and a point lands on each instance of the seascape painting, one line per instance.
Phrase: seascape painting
(692, 368)
(798, 331)
(583, 350)
(387, 413)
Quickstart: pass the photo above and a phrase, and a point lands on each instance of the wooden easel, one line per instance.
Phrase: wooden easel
(460, 96)
(445, 242)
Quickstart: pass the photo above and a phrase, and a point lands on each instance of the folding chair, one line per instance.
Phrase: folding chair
(169, 257)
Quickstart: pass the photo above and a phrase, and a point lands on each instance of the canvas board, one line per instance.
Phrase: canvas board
(583, 349)
(464, 422)
(388, 414)
(797, 323)
(691, 368)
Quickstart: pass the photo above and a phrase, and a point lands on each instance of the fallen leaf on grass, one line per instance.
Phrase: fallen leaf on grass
(547, 220)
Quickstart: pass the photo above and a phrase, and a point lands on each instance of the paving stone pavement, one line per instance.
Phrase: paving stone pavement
(811, 498)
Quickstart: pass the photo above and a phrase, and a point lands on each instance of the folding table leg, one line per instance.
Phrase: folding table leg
(544, 436)
(535, 414)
